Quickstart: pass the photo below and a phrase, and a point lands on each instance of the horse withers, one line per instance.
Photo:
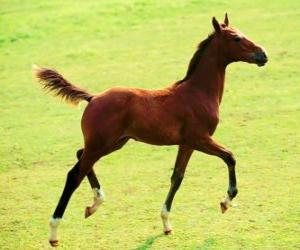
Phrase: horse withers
(184, 114)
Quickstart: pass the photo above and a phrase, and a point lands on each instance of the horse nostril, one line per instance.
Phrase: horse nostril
(264, 55)
(261, 56)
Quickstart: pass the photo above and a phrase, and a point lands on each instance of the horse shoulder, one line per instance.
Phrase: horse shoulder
(201, 113)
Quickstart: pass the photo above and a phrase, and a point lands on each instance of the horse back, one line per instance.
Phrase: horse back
(151, 116)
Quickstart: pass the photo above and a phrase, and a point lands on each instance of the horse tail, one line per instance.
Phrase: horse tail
(56, 83)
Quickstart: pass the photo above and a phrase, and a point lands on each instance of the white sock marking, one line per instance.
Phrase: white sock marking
(165, 218)
(99, 198)
(227, 201)
(54, 222)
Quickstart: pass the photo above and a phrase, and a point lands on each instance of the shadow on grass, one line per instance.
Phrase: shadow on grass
(207, 244)
(149, 242)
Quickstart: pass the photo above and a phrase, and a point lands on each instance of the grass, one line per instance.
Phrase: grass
(100, 44)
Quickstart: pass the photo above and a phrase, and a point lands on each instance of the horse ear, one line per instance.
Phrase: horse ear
(216, 25)
(226, 20)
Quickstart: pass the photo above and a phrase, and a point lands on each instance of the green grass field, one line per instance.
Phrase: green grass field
(148, 44)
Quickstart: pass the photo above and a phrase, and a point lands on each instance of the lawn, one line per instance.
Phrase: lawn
(148, 44)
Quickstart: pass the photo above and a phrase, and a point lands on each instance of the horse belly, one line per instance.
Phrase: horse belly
(157, 130)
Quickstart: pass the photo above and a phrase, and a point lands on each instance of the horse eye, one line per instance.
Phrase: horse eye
(237, 39)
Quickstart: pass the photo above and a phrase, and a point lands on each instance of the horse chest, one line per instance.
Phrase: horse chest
(204, 118)
(210, 119)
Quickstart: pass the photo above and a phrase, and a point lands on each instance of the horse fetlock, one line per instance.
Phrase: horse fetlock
(232, 192)
(225, 204)
(164, 216)
(167, 228)
(53, 239)
(99, 193)
(54, 222)
(98, 200)
(99, 196)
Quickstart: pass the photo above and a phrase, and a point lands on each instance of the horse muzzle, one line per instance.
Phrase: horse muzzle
(260, 58)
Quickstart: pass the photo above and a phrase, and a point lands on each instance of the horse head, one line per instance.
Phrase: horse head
(235, 46)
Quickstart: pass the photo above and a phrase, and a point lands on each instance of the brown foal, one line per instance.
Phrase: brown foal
(184, 114)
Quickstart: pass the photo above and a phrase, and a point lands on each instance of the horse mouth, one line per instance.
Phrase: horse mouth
(261, 64)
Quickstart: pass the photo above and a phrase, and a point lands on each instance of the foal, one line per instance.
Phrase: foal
(185, 114)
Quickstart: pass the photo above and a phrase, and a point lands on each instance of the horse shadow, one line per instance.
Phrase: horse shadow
(206, 244)
(149, 242)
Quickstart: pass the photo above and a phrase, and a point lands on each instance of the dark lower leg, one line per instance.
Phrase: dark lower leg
(230, 161)
(209, 146)
(183, 156)
(182, 159)
(73, 180)
(176, 180)
(232, 189)
(93, 180)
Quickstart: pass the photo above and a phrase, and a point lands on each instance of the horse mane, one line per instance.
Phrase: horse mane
(196, 57)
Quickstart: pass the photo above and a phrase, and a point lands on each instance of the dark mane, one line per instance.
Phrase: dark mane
(196, 57)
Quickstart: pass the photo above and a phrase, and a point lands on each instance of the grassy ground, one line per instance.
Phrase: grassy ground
(99, 44)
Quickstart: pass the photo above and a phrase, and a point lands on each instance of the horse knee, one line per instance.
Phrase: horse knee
(229, 160)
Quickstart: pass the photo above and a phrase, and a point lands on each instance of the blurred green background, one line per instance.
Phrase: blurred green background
(148, 44)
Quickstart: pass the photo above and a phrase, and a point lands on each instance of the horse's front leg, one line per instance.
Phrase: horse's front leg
(183, 156)
(209, 146)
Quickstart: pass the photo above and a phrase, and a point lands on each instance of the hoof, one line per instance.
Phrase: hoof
(168, 231)
(223, 206)
(88, 212)
(53, 243)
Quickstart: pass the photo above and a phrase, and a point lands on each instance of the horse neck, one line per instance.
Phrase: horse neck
(209, 75)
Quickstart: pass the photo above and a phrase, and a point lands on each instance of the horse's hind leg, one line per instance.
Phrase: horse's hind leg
(98, 194)
(74, 178)
(97, 189)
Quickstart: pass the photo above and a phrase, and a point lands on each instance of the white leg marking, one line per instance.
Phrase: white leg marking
(98, 199)
(98, 196)
(54, 222)
(165, 219)
(227, 201)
